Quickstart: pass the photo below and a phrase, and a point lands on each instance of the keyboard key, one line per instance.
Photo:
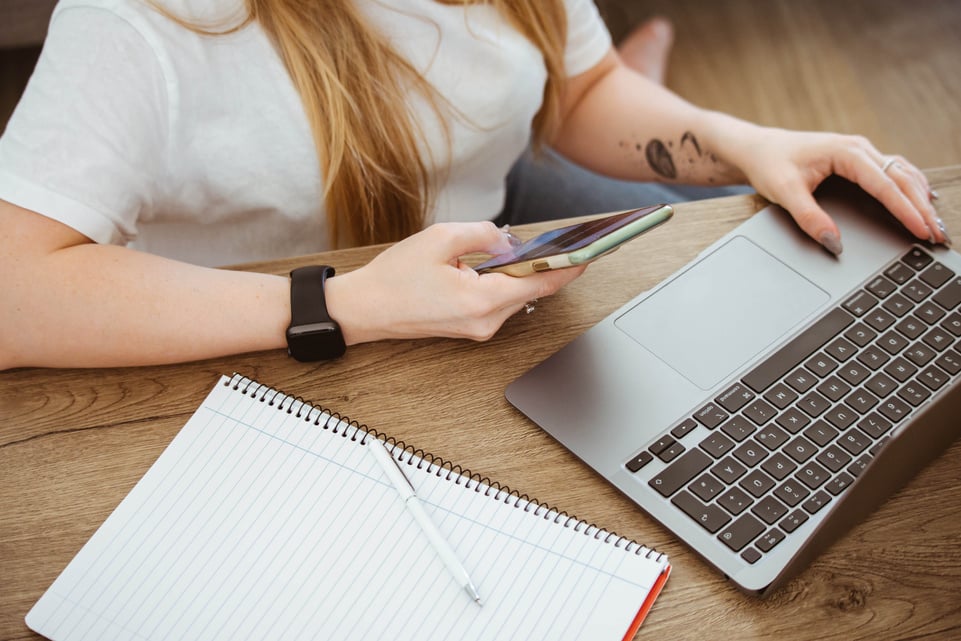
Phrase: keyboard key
(834, 388)
(873, 356)
(874, 425)
(881, 384)
(800, 449)
(936, 275)
(816, 502)
(751, 453)
(757, 483)
(861, 401)
(710, 416)
(879, 319)
(821, 433)
(671, 452)
(710, 517)
(738, 428)
(734, 500)
(735, 397)
(898, 305)
(741, 532)
(860, 334)
(772, 437)
(814, 404)
(950, 362)
(683, 428)
(914, 393)
(860, 303)
(793, 420)
(799, 349)
(953, 323)
(821, 364)
(729, 470)
(894, 409)
(769, 510)
(854, 373)
(839, 483)
(840, 416)
(813, 475)
(840, 349)
(899, 273)
(881, 287)
(834, 458)
(916, 290)
(929, 313)
(938, 339)
(760, 411)
(893, 342)
(855, 469)
(854, 441)
(661, 444)
(917, 259)
(751, 555)
(792, 493)
(793, 521)
(706, 487)
(779, 466)
(919, 354)
(780, 396)
(639, 461)
(717, 445)
(680, 472)
(950, 296)
(771, 538)
(900, 369)
(911, 327)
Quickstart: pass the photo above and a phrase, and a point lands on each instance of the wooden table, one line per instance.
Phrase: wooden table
(74, 442)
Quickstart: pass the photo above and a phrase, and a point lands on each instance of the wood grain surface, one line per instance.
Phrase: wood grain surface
(74, 442)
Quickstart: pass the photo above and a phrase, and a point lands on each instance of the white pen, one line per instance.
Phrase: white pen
(400, 482)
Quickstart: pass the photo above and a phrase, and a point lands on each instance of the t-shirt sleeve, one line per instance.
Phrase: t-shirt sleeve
(85, 145)
(588, 39)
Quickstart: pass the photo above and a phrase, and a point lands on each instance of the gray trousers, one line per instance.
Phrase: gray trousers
(550, 187)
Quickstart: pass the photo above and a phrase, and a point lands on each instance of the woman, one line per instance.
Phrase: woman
(155, 140)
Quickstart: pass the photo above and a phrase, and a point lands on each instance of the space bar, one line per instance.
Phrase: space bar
(789, 356)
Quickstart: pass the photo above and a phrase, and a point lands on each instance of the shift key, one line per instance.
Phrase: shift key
(680, 472)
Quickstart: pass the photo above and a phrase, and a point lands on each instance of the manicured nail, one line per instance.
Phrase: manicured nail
(933, 194)
(831, 242)
(511, 238)
(944, 232)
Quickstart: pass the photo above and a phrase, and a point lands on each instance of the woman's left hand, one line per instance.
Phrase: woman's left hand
(786, 166)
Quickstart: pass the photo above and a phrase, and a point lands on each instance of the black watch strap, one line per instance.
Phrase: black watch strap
(312, 335)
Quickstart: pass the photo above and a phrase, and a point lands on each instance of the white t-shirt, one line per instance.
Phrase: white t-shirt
(134, 130)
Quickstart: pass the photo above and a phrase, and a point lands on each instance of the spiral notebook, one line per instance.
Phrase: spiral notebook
(267, 517)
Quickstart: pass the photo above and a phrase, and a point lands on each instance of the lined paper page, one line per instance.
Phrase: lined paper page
(255, 523)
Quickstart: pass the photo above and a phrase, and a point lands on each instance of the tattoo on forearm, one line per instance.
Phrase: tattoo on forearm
(659, 158)
(669, 163)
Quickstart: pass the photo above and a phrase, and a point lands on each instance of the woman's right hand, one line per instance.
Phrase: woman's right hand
(419, 288)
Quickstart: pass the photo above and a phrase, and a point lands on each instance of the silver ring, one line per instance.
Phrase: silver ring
(529, 306)
(890, 162)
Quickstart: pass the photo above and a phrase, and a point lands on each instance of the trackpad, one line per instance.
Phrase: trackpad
(714, 317)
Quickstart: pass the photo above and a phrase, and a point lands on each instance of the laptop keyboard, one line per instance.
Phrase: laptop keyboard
(792, 434)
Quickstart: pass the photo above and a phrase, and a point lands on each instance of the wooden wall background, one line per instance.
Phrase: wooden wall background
(887, 69)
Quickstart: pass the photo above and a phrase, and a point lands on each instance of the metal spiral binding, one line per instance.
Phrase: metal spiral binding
(344, 426)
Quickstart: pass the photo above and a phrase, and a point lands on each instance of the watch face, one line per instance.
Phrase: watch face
(315, 341)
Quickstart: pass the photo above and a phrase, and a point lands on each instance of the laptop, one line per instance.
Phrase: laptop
(768, 395)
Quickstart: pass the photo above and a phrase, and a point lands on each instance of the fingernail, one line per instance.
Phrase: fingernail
(511, 238)
(933, 194)
(944, 232)
(831, 242)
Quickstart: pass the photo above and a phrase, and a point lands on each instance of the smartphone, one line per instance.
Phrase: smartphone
(577, 244)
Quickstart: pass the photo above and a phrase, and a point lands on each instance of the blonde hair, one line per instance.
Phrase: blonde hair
(377, 186)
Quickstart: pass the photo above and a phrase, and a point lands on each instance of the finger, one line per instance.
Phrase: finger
(809, 216)
(449, 241)
(863, 170)
(918, 193)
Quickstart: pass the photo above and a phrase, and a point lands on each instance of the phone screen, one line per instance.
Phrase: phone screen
(567, 239)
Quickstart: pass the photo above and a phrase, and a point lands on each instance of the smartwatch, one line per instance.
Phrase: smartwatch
(312, 335)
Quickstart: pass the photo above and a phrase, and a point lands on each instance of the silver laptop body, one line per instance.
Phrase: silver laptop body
(659, 397)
